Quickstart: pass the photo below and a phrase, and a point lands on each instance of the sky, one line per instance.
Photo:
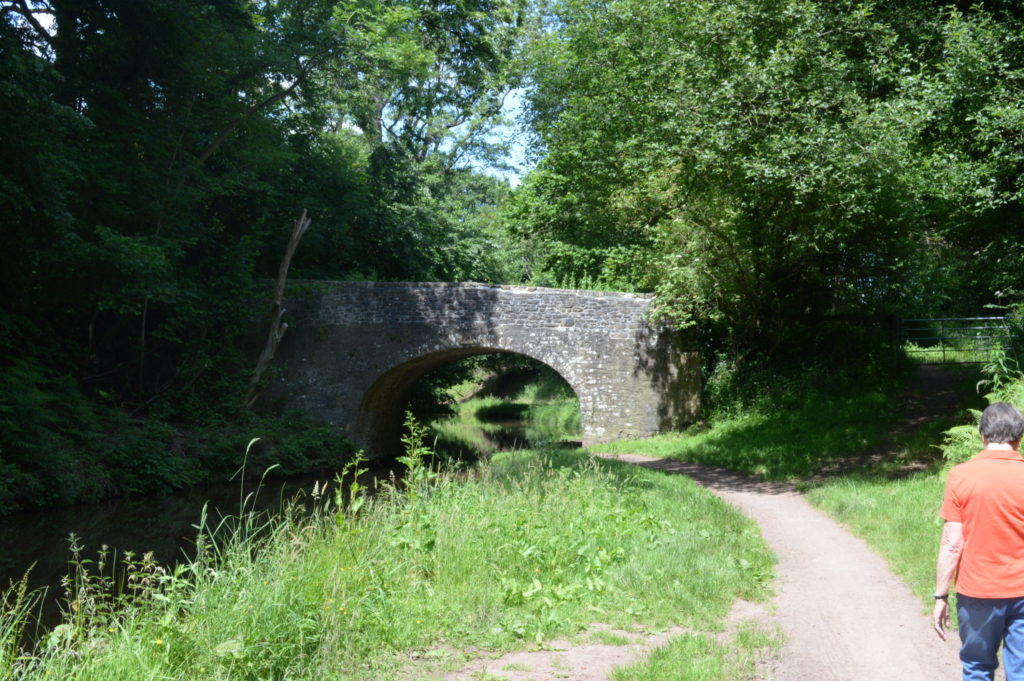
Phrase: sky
(515, 135)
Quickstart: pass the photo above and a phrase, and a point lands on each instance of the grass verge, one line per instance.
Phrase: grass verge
(793, 437)
(524, 548)
(807, 430)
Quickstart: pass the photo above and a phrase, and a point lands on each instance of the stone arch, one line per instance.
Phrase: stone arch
(354, 349)
(381, 410)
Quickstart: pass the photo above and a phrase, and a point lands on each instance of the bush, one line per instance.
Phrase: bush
(845, 359)
(1004, 381)
(58, 447)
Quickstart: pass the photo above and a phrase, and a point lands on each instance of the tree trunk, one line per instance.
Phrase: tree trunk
(277, 328)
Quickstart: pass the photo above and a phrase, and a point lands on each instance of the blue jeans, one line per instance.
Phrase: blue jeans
(985, 623)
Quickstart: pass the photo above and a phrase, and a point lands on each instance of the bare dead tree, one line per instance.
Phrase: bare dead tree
(277, 327)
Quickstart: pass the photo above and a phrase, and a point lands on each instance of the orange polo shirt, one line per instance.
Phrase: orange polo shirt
(986, 494)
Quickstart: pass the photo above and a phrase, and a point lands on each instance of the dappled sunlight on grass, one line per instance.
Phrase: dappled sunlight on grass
(788, 441)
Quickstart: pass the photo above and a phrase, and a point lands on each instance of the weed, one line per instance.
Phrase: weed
(702, 657)
(418, 473)
(349, 496)
(609, 638)
(515, 551)
(15, 609)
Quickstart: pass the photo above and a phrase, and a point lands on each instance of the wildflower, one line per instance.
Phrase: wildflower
(159, 641)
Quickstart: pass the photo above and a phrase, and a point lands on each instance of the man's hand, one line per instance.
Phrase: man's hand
(940, 618)
(950, 548)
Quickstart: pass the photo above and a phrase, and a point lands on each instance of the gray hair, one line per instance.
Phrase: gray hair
(1001, 422)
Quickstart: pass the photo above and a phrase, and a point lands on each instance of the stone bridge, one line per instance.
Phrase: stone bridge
(354, 350)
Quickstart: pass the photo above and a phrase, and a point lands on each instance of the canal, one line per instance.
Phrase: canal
(38, 543)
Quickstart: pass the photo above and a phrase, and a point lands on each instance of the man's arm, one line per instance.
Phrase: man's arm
(950, 548)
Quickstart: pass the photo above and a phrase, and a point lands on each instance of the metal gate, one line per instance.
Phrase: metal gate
(953, 340)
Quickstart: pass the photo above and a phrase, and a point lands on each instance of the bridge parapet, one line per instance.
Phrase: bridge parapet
(355, 349)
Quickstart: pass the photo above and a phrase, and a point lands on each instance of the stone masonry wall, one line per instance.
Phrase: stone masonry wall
(355, 349)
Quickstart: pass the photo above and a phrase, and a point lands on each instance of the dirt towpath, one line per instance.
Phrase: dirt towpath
(845, 616)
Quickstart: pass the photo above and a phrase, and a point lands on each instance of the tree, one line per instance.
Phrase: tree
(154, 148)
(773, 162)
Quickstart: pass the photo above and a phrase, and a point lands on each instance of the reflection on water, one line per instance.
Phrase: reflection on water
(470, 439)
(37, 541)
(165, 525)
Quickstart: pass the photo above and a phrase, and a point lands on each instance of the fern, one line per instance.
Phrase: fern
(960, 443)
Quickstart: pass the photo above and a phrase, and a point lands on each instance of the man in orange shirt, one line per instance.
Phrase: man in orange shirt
(983, 545)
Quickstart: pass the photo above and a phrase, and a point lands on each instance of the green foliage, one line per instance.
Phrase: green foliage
(782, 420)
(157, 154)
(57, 447)
(418, 473)
(771, 164)
(962, 442)
(516, 552)
(1004, 378)
(526, 407)
(554, 410)
(350, 496)
(844, 359)
(1003, 381)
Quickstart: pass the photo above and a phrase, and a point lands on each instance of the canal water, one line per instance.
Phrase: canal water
(37, 543)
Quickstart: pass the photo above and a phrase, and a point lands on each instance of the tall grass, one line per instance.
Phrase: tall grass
(516, 551)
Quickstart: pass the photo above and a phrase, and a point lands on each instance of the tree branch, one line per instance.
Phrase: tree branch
(21, 8)
(252, 110)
